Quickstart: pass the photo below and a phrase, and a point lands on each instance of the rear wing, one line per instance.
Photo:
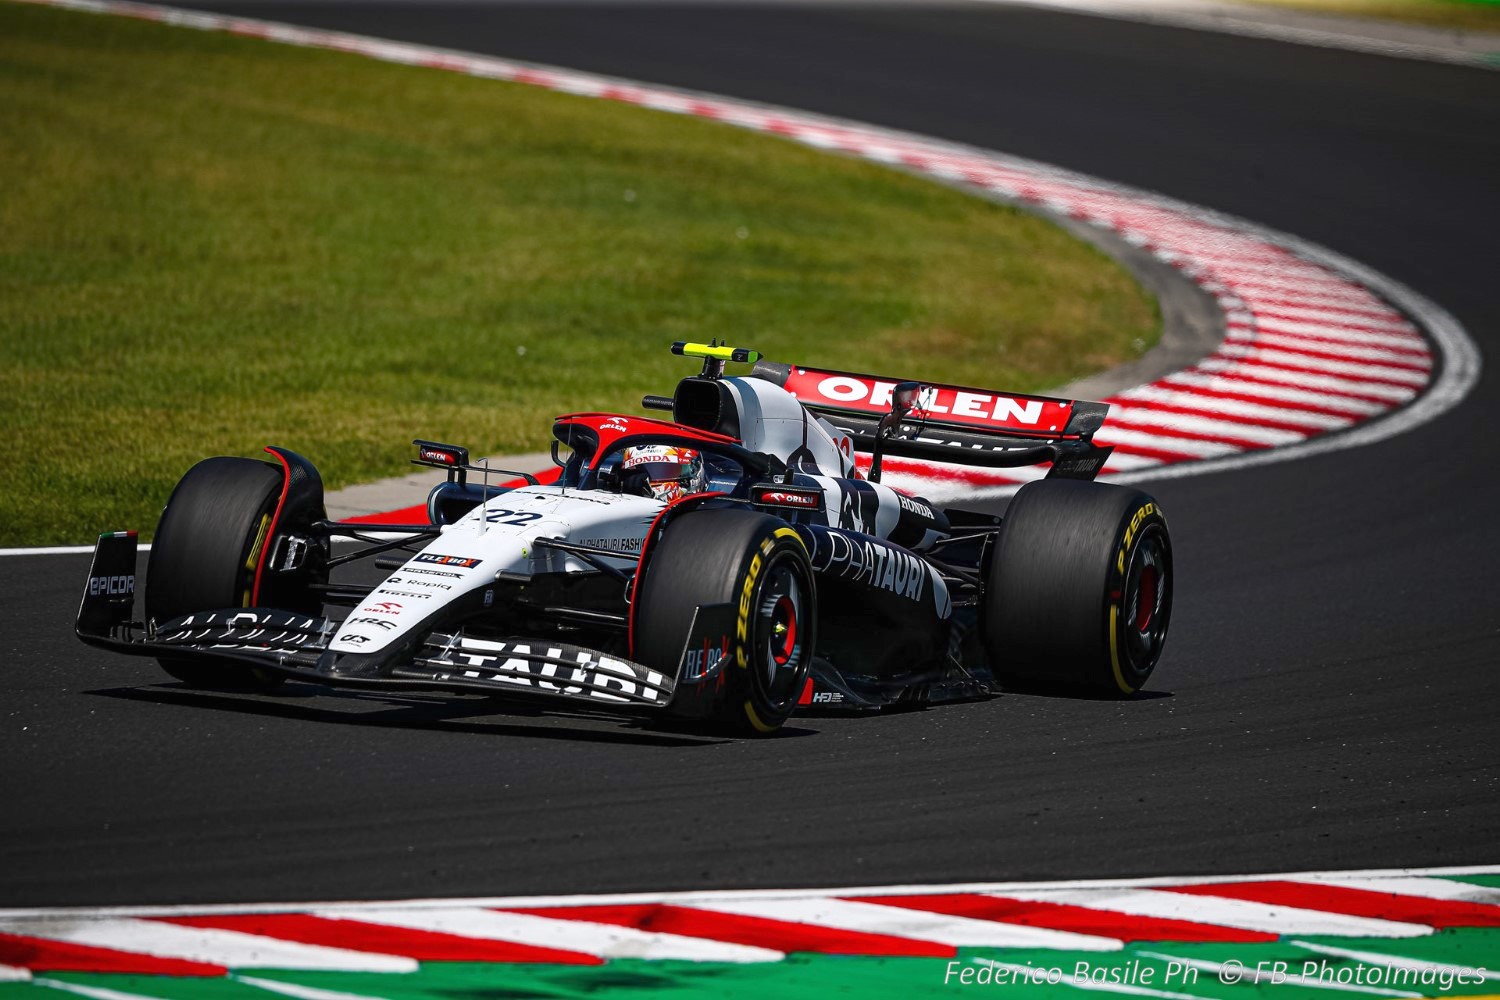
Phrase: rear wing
(950, 423)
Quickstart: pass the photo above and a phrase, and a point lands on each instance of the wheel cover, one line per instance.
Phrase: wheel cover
(778, 633)
(1148, 597)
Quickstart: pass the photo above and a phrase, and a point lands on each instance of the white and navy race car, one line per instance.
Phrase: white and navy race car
(728, 565)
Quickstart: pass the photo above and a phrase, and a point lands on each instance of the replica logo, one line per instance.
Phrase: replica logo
(111, 585)
(441, 560)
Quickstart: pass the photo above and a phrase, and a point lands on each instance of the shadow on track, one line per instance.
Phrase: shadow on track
(434, 715)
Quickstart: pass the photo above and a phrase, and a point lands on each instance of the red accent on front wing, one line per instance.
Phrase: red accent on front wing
(807, 692)
(417, 514)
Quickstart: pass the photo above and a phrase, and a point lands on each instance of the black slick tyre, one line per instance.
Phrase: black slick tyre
(1079, 589)
(758, 564)
(204, 554)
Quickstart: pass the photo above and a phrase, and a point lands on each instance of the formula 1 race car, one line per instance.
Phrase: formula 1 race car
(726, 566)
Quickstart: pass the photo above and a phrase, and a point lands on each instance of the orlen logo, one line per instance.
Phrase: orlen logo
(785, 498)
(957, 404)
(103, 586)
(433, 455)
(384, 608)
(616, 424)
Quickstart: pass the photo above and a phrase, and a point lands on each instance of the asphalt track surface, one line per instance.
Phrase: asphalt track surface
(1327, 698)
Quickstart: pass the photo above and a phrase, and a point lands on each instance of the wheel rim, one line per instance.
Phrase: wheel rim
(780, 637)
(1148, 591)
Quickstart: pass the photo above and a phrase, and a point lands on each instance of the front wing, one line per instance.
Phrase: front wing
(296, 645)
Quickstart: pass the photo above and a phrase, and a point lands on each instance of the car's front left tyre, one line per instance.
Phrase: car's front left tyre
(759, 565)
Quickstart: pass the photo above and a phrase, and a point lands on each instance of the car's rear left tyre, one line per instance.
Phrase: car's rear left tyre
(1079, 591)
(204, 555)
(757, 563)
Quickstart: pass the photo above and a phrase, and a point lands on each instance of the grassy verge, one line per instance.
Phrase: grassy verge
(210, 243)
(1461, 15)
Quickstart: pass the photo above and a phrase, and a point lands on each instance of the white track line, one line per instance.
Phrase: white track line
(297, 991)
(92, 992)
(1389, 961)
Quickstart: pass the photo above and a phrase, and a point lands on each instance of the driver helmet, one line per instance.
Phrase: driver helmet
(665, 472)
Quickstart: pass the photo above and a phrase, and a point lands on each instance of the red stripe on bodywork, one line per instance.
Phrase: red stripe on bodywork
(382, 939)
(417, 514)
(266, 546)
(43, 955)
(760, 932)
(1067, 917)
(681, 503)
(1437, 913)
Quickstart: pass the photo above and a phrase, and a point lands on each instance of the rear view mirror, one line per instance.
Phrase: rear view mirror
(905, 396)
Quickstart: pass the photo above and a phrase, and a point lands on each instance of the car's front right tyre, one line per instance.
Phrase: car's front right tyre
(204, 555)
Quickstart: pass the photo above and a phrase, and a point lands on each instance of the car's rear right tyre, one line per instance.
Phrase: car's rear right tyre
(204, 555)
(1079, 591)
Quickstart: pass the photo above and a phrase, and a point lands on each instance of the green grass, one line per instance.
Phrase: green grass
(1463, 15)
(211, 243)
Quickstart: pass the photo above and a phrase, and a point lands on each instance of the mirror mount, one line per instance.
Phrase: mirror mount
(904, 399)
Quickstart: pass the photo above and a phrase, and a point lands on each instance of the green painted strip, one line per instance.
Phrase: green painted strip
(1488, 881)
(1157, 969)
